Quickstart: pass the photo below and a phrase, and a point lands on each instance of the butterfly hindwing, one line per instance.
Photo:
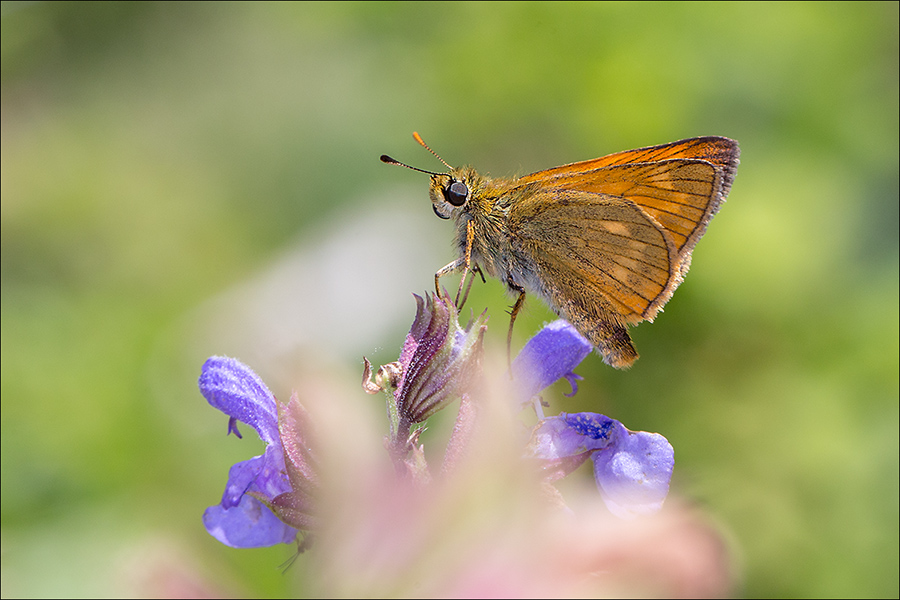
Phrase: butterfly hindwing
(602, 262)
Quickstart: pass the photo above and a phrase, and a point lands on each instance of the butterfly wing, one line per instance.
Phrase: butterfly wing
(599, 260)
(611, 238)
(681, 185)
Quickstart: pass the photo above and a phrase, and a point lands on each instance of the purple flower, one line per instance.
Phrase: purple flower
(439, 359)
(244, 518)
(632, 469)
(439, 362)
(550, 355)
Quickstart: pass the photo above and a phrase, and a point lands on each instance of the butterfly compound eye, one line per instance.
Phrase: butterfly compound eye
(456, 193)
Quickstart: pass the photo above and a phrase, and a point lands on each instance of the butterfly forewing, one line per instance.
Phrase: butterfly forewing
(681, 184)
(679, 194)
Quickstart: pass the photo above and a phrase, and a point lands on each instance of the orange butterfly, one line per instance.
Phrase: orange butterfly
(604, 242)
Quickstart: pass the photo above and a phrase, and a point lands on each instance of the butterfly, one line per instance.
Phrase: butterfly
(604, 242)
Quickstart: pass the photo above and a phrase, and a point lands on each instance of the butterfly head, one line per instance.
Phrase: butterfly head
(449, 191)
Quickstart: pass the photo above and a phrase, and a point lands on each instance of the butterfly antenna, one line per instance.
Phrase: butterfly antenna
(419, 139)
(393, 161)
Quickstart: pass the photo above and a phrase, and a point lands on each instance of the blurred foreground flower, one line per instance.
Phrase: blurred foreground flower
(483, 527)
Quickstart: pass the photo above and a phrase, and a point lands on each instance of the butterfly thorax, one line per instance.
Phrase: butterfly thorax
(486, 213)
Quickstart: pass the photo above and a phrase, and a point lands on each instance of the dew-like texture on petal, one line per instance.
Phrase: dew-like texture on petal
(548, 356)
(633, 474)
(250, 524)
(232, 387)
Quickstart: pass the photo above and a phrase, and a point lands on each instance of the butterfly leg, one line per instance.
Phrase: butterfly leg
(470, 237)
(446, 270)
(475, 269)
(512, 315)
(459, 291)
(464, 262)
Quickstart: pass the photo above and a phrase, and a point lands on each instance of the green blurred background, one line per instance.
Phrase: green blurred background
(182, 180)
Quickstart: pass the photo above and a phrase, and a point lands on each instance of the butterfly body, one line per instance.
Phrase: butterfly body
(603, 242)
